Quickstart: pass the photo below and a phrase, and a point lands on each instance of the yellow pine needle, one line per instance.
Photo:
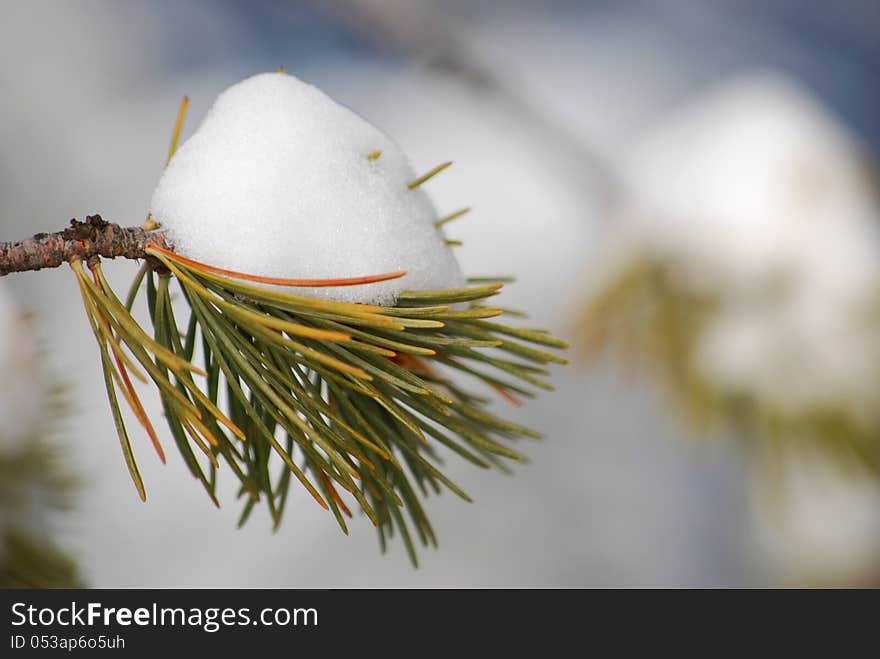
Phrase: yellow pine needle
(150, 224)
(213, 409)
(196, 437)
(515, 313)
(474, 312)
(207, 434)
(263, 320)
(92, 314)
(420, 323)
(452, 216)
(327, 360)
(128, 361)
(384, 352)
(333, 493)
(178, 127)
(123, 319)
(503, 279)
(118, 352)
(277, 323)
(468, 292)
(94, 298)
(128, 390)
(427, 177)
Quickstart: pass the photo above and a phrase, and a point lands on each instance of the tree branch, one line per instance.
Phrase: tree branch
(81, 241)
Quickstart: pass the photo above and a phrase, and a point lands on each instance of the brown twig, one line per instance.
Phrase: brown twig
(81, 241)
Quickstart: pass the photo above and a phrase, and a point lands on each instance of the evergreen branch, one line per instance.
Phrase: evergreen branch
(350, 400)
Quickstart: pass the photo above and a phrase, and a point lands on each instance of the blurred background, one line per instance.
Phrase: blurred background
(577, 129)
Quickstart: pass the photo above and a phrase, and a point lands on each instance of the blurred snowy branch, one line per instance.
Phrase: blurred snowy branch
(746, 270)
(34, 479)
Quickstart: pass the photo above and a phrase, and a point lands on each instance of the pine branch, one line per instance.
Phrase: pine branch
(333, 395)
(349, 400)
(82, 241)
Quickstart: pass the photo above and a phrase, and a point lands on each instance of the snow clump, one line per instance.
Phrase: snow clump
(282, 181)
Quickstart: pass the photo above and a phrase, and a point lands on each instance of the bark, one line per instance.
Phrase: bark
(81, 241)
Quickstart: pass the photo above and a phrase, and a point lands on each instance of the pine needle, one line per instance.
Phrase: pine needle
(424, 178)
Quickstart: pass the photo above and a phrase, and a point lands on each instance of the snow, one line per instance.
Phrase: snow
(23, 393)
(277, 181)
(758, 195)
(815, 523)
